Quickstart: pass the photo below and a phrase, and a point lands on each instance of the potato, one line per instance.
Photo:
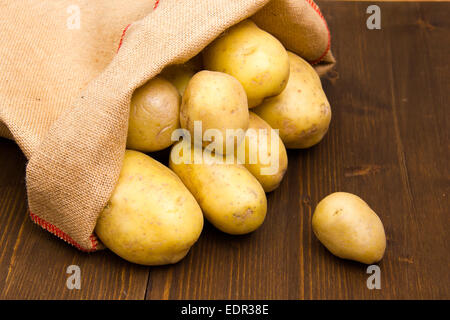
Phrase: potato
(254, 57)
(349, 228)
(154, 115)
(151, 218)
(219, 102)
(255, 152)
(230, 197)
(301, 112)
(180, 74)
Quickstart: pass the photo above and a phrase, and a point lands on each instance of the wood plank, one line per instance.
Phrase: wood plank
(33, 262)
(421, 82)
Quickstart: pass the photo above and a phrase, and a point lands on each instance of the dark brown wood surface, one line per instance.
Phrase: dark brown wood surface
(388, 143)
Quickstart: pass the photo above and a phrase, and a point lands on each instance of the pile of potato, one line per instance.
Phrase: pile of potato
(155, 214)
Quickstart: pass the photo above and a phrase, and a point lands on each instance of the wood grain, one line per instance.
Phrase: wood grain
(388, 143)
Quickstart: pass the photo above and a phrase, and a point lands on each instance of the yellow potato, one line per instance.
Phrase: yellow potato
(219, 102)
(151, 218)
(154, 115)
(255, 152)
(180, 74)
(301, 112)
(230, 197)
(254, 57)
(349, 228)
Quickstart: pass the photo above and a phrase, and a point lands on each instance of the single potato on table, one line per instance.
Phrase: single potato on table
(301, 112)
(263, 153)
(230, 197)
(151, 217)
(218, 102)
(349, 228)
(154, 115)
(253, 56)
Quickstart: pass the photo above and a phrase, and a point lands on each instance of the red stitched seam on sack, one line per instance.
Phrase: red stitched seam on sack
(316, 8)
(123, 35)
(126, 28)
(62, 235)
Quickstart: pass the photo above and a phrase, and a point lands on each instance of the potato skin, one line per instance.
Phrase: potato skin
(263, 146)
(349, 228)
(230, 197)
(154, 115)
(180, 74)
(253, 56)
(151, 218)
(218, 100)
(301, 112)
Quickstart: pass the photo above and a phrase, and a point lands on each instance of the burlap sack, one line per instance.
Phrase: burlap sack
(65, 90)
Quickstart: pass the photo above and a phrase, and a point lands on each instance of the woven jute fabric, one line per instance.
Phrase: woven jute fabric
(65, 87)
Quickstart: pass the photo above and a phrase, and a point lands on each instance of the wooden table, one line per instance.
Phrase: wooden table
(388, 143)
